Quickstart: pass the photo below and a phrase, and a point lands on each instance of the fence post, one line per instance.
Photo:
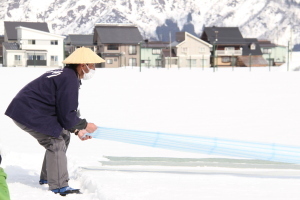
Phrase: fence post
(250, 62)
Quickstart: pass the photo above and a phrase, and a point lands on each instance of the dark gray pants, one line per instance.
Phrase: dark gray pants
(55, 168)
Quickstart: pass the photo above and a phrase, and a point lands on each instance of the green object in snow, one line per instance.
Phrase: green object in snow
(4, 192)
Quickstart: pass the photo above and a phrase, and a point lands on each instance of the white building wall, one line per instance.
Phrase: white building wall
(193, 52)
(42, 42)
(9, 60)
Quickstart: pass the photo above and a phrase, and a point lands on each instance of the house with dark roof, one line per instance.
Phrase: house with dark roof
(275, 54)
(10, 32)
(118, 44)
(74, 41)
(187, 51)
(231, 49)
(252, 55)
(34, 48)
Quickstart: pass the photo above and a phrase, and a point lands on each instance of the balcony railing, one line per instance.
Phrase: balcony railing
(229, 53)
(36, 62)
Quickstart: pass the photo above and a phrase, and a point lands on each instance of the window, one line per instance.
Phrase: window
(203, 62)
(173, 61)
(229, 50)
(54, 42)
(54, 60)
(158, 62)
(267, 51)
(191, 62)
(132, 62)
(226, 59)
(31, 42)
(156, 51)
(17, 57)
(112, 47)
(36, 57)
(252, 46)
(18, 60)
(109, 61)
(132, 50)
(202, 49)
(184, 49)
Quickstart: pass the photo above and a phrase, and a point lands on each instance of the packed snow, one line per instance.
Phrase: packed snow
(261, 105)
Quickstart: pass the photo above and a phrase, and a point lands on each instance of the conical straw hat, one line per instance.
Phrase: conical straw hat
(83, 55)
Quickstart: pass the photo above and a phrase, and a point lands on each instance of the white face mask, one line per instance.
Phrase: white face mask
(88, 75)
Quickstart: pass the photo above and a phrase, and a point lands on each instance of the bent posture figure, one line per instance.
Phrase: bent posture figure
(46, 108)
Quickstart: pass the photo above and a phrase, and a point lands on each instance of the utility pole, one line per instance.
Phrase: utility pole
(288, 55)
(170, 50)
(216, 32)
(250, 61)
(291, 43)
(269, 61)
(140, 44)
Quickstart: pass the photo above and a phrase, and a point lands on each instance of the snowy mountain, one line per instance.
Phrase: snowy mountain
(265, 19)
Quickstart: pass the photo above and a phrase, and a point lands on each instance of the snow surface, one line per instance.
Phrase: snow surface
(257, 105)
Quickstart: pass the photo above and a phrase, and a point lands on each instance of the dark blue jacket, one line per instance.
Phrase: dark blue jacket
(48, 103)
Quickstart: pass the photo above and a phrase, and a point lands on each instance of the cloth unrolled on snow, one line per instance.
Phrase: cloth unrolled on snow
(203, 145)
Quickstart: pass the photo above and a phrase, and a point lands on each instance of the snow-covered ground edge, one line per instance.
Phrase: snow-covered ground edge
(127, 98)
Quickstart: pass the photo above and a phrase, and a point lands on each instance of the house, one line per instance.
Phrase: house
(10, 32)
(231, 49)
(275, 54)
(118, 44)
(227, 44)
(151, 52)
(186, 51)
(74, 41)
(33, 48)
(252, 55)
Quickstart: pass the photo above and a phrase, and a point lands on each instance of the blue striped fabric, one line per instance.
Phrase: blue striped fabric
(203, 145)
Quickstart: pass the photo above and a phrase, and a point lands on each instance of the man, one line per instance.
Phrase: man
(46, 108)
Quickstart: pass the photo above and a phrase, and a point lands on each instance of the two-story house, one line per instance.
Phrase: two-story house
(186, 51)
(275, 54)
(227, 44)
(10, 32)
(151, 52)
(118, 44)
(252, 55)
(231, 49)
(33, 48)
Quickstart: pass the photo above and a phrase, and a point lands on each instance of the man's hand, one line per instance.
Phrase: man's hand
(82, 136)
(91, 127)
